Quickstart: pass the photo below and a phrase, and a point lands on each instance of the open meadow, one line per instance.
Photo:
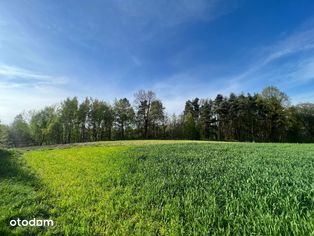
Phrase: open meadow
(160, 188)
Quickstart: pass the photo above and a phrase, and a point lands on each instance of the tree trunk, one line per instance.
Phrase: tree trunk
(146, 129)
(122, 130)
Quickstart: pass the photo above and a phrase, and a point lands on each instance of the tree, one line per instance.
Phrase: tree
(143, 102)
(19, 132)
(304, 125)
(193, 107)
(108, 119)
(69, 120)
(174, 127)
(277, 103)
(191, 119)
(263, 117)
(221, 112)
(4, 132)
(123, 115)
(274, 94)
(83, 119)
(54, 130)
(157, 121)
(190, 129)
(206, 119)
(41, 125)
(101, 119)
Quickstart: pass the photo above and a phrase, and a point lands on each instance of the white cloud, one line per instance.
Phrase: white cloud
(23, 90)
(174, 12)
(176, 90)
(8, 72)
(16, 100)
(295, 43)
(299, 71)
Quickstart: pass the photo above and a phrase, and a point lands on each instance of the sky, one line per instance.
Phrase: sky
(181, 49)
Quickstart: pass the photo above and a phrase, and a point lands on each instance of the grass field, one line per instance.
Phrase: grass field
(160, 188)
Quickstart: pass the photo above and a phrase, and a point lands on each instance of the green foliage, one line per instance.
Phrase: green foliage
(190, 128)
(124, 116)
(304, 122)
(20, 132)
(149, 113)
(264, 117)
(207, 128)
(164, 188)
(101, 117)
(43, 126)
(68, 117)
(4, 133)
(273, 94)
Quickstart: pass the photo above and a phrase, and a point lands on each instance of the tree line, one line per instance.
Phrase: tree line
(267, 116)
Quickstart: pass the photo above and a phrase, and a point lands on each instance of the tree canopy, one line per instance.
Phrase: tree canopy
(263, 117)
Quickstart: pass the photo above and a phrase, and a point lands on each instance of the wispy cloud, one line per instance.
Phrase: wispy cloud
(177, 89)
(296, 68)
(295, 43)
(14, 100)
(294, 51)
(8, 72)
(23, 89)
(174, 12)
(112, 48)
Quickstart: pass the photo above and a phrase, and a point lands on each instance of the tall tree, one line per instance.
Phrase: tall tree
(41, 125)
(84, 119)
(101, 119)
(304, 122)
(262, 117)
(108, 119)
(274, 94)
(193, 107)
(143, 102)
(4, 132)
(190, 128)
(221, 115)
(123, 115)
(69, 110)
(276, 104)
(175, 127)
(20, 133)
(206, 119)
(158, 119)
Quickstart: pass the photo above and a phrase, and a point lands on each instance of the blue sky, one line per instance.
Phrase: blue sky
(181, 49)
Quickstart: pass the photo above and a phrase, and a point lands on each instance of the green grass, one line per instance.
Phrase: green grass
(161, 188)
(19, 195)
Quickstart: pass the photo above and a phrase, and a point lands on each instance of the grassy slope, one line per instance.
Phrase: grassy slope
(19, 194)
(174, 188)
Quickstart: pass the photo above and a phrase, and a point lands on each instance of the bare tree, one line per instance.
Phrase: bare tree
(143, 102)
